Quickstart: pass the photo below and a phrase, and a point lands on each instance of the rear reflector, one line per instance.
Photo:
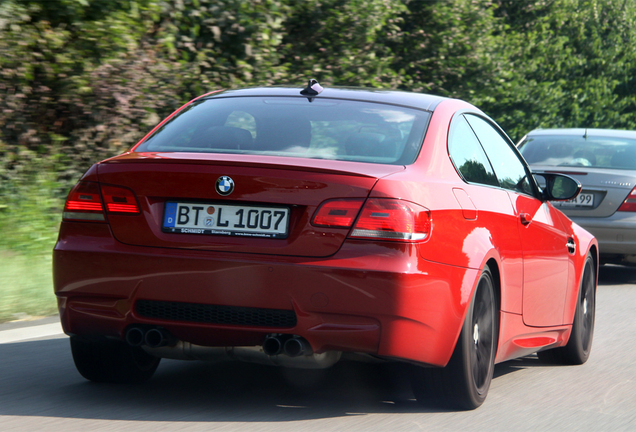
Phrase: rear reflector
(337, 213)
(392, 219)
(84, 203)
(629, 205)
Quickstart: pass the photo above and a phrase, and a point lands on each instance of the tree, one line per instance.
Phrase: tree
(342, 42)
(447, 47)
(570, 64)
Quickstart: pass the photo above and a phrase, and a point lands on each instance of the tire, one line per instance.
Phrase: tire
(578, 348)
(112, 361)
(464, 382)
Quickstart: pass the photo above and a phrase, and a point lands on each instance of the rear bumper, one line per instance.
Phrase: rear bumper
(379, 299)
(616, 234)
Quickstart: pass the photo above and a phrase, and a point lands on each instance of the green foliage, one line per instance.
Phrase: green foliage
(570, 64)
(30, 206)
(88, 79)
(343, 42)
(30, 209)
(227, 43)
(76, 84)
(26, 286)
(82, 80)
(448, 47)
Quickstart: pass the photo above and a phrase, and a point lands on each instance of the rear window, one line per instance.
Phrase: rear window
(591, 151)
(287, 126)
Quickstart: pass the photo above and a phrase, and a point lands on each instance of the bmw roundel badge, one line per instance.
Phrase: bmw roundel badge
(224, 185)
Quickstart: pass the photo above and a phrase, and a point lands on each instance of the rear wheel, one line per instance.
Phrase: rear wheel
(465, 380)
(578, 349)
(112, 361)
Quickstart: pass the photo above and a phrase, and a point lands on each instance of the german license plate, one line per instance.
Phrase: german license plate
(582, 199)
(224, 219)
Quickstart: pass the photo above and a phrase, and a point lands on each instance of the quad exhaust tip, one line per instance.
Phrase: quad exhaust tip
(135, 336)
(157, 337)
(283, 350)
(154, 337)
(273, 345)
(296, 347)
(292, 346)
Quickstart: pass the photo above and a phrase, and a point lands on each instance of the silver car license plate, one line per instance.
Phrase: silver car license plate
(225, 219)
(581, 200)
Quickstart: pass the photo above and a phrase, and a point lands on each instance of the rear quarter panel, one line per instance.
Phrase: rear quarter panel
(471, 224)
(467, 239)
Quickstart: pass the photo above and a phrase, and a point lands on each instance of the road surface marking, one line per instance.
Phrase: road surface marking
(33, 332)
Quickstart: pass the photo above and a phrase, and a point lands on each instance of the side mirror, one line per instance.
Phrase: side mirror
(557, 187)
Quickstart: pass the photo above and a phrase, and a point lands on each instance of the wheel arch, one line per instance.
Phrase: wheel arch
(595, 257)
(587, 246)
(493, 266)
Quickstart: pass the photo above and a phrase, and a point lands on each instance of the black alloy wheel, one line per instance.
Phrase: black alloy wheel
(482, 349)
(578, 348)
(464, 382)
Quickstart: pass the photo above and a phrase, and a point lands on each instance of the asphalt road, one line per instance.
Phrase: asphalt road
(41, 390)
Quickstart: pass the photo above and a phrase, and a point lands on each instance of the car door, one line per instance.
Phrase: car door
(543, 238)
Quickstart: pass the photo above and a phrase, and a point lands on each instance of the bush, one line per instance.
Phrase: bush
(81, 81)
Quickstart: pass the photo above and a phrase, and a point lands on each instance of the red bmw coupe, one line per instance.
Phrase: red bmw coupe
(296, 227)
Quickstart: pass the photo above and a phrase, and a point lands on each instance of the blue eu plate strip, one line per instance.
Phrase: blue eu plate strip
(170, 216)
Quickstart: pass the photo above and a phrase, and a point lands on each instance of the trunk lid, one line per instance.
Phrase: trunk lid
(299, 185)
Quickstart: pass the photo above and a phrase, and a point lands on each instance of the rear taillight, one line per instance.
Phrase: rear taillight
(392, 219)
(87, 199)
(338, 213)
(119, 200)
(629, 205)
(84, 203)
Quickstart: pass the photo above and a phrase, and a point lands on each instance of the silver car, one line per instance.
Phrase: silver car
(604, 162)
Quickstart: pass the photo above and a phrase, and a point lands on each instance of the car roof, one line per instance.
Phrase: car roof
(394, 97)
(582, 132)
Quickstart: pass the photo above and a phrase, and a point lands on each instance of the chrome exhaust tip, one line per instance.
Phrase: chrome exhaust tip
(157, 337)
(296, 347)
(135, 336)
(272, 345)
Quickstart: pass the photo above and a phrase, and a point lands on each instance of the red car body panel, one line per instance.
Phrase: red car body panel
(338, 305)
(402, 300)
(273, 182)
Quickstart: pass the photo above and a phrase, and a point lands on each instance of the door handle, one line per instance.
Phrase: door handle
(525, 218)
(571, 245)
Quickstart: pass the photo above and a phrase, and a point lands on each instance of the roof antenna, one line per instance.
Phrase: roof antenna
(312, 89)
(585, 134)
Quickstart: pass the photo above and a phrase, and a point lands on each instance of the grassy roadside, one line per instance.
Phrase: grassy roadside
(30, 212)
(27, 286)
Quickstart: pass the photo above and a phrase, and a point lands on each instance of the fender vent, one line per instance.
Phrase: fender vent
(214, 314)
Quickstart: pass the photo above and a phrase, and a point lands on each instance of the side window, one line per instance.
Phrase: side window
(468, 156)
(509, 169)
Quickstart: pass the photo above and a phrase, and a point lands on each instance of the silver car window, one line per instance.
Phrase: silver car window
(582, 151)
